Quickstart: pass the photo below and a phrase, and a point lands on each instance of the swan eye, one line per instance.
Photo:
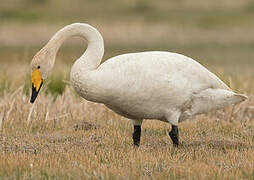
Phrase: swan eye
(38, 67)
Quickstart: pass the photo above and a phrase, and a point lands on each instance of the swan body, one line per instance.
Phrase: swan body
(148, 85)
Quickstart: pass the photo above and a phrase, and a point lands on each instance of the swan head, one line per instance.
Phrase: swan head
(41, 66)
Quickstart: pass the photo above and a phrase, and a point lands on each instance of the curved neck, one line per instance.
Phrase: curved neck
(91, 58)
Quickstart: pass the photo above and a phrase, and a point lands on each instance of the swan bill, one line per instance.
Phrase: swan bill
(35, 92)
(36, 84)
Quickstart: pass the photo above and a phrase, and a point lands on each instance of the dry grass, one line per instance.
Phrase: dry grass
(70, 138)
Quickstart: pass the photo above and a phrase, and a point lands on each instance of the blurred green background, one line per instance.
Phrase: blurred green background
(218, 34)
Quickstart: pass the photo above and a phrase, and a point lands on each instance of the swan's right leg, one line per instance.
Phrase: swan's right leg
(136, 132)
(172, 117)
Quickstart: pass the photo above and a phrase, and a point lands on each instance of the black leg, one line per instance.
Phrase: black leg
(136, 135)
(174, 135)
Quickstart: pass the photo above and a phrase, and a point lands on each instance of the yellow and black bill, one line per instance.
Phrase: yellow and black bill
(37, 82)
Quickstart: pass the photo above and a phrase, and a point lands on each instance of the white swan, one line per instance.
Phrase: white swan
(148, 85)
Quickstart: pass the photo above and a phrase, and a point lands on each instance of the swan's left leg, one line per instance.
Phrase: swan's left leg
(136, 132)
(174, 135)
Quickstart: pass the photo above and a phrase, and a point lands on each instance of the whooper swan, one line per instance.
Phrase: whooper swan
(147, 85)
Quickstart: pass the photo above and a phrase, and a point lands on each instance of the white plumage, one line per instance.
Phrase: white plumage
(148, 85)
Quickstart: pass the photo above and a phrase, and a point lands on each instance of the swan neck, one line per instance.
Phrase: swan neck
(91, 58)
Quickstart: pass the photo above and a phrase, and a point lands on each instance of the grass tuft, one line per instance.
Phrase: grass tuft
(56, 85)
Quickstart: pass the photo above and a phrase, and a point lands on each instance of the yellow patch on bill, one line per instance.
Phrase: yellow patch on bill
(36, 79)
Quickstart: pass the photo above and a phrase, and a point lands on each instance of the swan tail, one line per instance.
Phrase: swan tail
(240, 97)
(212, 99)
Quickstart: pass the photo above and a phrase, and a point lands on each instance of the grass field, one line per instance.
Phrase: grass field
(63, 136)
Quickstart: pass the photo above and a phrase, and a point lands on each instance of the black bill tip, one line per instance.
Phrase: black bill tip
(34, 93)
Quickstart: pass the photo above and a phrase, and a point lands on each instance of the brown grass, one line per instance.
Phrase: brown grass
(70, 138)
